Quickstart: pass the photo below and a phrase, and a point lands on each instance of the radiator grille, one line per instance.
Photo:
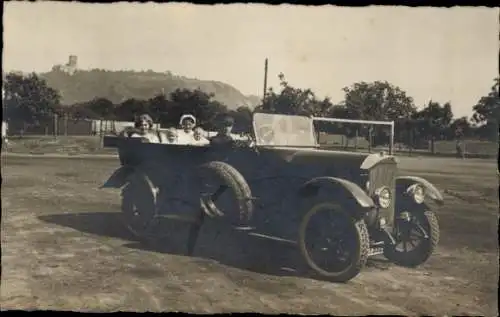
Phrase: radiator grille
(384, 174)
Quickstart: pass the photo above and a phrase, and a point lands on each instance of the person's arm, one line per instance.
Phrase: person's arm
(128, 132)
(203, 141)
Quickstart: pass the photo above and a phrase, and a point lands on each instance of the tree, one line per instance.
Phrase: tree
(102, 107)
(487, 112)
(29, 99)
(379, 100)
(460, 128)
(293, 101)
(242, 119)
(197, 103)
(434, 121)
(159, 107)
(130, 108)
(81, 111)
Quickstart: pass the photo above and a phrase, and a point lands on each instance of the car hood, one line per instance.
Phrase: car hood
(318, 156)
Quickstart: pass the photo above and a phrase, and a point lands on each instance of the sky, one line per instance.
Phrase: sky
(443, 54)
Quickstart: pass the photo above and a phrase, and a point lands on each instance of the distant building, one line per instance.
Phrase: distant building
(70, 68)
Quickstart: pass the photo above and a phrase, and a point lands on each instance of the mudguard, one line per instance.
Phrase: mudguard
(363, 199)
(430, 190)
(119, 178)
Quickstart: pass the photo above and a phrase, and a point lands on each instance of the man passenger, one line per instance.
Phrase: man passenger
(224, 132)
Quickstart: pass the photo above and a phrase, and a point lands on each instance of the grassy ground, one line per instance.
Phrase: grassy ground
(61, 145)
(63, 248)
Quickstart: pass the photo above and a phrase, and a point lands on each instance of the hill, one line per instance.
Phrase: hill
(118, 86)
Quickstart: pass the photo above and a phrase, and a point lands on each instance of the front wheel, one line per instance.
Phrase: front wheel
(416, 235)
(333, 243)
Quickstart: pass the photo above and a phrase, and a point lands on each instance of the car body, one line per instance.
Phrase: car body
(278, 187)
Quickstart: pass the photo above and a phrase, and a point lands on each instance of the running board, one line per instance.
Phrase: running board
(265, 236)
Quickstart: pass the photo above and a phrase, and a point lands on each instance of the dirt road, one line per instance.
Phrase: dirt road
(63, 249)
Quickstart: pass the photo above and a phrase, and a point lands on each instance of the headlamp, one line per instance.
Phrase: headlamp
(383, 197)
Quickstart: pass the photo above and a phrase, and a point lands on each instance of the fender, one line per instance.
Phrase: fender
(430, 190)
(357, 193)
(119, 178)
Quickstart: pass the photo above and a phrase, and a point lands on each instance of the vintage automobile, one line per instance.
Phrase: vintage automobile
(338, 207)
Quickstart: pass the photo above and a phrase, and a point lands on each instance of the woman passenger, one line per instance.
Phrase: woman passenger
(187, 123)
(143, 128)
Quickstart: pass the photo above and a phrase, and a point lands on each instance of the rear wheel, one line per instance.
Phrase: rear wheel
(139, 204)
(416, 235)
(333, 243)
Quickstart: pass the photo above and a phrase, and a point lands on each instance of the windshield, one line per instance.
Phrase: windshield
(283, 130)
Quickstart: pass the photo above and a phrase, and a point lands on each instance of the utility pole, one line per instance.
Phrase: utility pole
(265, 82)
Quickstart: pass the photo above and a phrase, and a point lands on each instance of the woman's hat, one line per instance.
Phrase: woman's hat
(187, 116)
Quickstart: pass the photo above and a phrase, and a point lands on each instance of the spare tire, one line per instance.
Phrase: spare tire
(217, 179)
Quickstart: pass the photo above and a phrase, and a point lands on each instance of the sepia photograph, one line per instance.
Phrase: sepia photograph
(250, 158)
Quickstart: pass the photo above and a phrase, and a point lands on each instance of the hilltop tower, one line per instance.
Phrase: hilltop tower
(73, 61)
(70, 67)
(72, 64)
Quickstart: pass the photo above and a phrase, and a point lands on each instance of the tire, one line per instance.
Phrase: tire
(360, 248)
(422, 252)
(232, 180)
(138, 204)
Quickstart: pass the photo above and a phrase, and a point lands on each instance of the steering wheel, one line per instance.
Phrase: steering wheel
(266, 133)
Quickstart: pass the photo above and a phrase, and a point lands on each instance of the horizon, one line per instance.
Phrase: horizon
(444, 55)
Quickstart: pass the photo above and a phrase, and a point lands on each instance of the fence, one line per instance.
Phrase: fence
(66, 126)
(471, 148)
(110, 126)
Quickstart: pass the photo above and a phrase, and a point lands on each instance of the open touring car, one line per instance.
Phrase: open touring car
(339, 207)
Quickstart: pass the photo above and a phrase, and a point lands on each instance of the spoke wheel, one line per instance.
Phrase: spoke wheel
(139, 205)
(416, 239)
(333, 244)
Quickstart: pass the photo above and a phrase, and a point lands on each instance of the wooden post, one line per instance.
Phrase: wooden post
(265, 82)
(66, 124)
(356, 139)
(391, 141)
(101, 137)
(370, 139)
(56, 125)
